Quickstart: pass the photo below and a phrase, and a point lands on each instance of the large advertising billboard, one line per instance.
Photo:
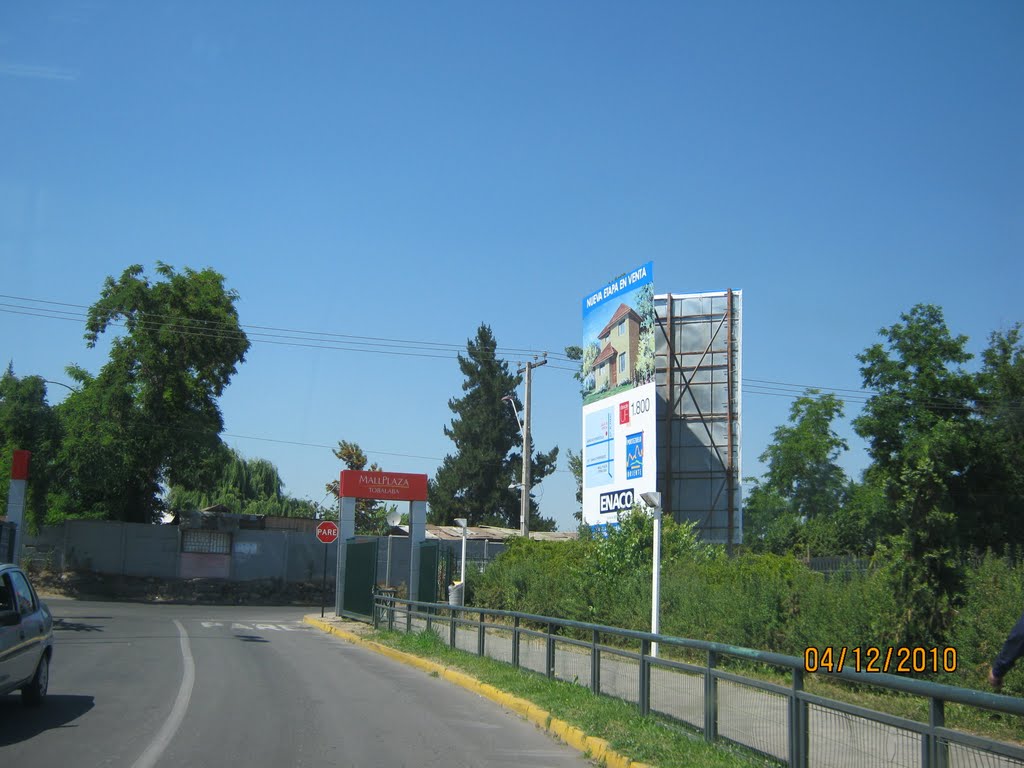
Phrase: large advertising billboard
(619, 396)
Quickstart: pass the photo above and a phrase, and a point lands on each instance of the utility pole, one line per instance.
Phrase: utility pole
(524, 512)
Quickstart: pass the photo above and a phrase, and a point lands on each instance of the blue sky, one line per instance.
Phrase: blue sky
(410, 170)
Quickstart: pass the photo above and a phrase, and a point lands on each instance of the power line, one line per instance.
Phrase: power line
(400, 347)
(226, 328)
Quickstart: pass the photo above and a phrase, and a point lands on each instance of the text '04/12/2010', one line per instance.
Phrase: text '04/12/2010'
(899, 660)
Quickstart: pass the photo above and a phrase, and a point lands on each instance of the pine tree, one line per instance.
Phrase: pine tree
(474, 482)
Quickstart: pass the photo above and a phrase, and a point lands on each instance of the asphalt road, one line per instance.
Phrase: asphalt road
(139, 685)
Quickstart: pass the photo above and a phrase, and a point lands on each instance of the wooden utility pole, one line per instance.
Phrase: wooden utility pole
(524, 510)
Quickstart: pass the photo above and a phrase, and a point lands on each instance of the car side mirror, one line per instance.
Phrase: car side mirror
(9, 618)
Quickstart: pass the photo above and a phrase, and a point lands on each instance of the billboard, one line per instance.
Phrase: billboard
(619, 396)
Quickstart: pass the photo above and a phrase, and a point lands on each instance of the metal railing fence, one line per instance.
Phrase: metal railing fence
(785, 722)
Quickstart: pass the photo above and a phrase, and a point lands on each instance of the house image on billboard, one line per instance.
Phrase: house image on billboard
(619, 341)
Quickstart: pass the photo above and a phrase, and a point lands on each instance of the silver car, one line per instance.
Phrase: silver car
(26, 637)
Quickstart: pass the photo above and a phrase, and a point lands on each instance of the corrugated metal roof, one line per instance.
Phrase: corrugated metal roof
(489, 533)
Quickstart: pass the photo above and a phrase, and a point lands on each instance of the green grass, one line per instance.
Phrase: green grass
(647, 739)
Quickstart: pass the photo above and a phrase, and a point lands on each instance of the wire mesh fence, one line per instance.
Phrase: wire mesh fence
(783, 722)
(678, 694)
(572, 662)
(751, 716)
(839, 739)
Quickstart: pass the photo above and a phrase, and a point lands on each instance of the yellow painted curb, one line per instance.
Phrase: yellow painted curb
(598, 749)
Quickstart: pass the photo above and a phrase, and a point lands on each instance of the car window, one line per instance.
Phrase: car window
(6, 595)
(23, 594)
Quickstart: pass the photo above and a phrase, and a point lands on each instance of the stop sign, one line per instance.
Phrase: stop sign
(327, 531)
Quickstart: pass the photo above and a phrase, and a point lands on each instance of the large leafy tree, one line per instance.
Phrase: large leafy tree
(371, 516)
(27, 422)
(919, 425)
(804, 487)
(918, 381)
(921, 431)
(474, 482)
(995, 480)
(150, 416)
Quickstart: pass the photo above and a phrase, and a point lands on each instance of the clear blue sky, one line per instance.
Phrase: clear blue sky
(409, 170)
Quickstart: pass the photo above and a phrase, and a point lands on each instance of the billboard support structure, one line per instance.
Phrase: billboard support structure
(730, 468)
(699, 420)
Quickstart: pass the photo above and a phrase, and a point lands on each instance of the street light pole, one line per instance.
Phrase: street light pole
(653, 500)
(463, 523)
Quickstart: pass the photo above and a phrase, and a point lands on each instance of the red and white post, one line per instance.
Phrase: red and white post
(16, 497)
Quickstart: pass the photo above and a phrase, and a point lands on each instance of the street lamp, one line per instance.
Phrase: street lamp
(463, 523)
(653, 500)
(508, 399)
(393, 517)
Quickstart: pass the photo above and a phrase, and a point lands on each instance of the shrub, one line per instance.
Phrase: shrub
(992, 602)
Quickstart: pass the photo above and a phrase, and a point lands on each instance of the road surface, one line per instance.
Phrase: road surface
(140, 685)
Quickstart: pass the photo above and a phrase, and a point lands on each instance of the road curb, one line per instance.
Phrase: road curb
(597, 749)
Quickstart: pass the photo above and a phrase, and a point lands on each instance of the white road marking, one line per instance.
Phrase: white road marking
(208, 624)
(268, 626)
(163, 737)
(241, 626)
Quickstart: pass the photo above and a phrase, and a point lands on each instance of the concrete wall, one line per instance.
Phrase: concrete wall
(135, 549)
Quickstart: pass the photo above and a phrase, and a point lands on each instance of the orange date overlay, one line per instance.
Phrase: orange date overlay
(895, 660)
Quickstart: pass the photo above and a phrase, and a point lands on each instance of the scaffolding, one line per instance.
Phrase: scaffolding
(697, 357)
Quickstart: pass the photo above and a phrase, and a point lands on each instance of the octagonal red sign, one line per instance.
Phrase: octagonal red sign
(327, 531)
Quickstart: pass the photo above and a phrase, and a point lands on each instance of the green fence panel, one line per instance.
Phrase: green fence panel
(429, 561)
(360, 578)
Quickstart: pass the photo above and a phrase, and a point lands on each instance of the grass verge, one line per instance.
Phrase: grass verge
(644, 739)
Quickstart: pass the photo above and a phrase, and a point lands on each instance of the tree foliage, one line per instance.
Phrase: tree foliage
(576, 467)
(995, 479)
(474, 482)
(244, 486)
(371, 516)
(27, 422)
(150, 416)
(804, 489)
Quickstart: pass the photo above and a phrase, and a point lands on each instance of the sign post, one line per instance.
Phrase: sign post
(326, 532)
(381, 486)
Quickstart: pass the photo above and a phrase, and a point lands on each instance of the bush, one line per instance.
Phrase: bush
(992, 602)
(765, 601)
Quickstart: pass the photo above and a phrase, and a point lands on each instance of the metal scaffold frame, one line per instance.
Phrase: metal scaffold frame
(698, 374)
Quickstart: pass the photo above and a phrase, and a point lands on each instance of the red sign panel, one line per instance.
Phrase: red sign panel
(389, 486)
(19, 465)
(327, 531)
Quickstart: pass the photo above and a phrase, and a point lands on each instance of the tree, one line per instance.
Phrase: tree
(27, 422)
(645, 362)
(150, 416)
(803, 486)
(918, 382)
(245, 486)
(920, 427)
(474, 482)
(586, 355)
(994, 510)
(371, 516)
(576, 467)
